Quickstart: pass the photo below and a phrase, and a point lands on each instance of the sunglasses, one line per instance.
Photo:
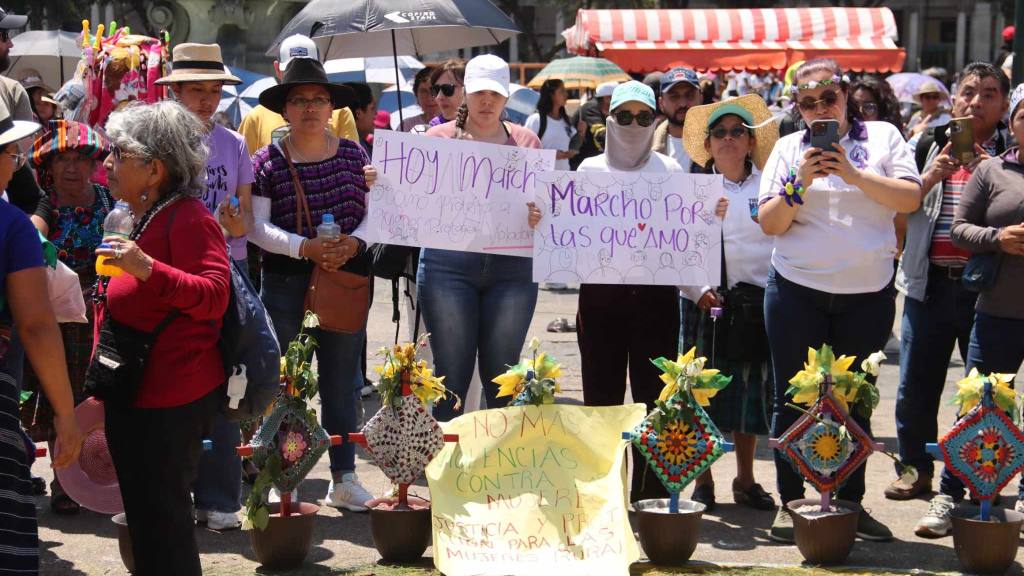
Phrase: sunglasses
(447, 89)
(828, 98)
(118, 154)
(721, 132)
(625, 118)
(869, 108)
(930, 96)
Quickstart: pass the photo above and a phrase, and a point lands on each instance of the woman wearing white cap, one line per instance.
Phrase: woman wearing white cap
(24, 278)
(620, 327)
(477, 304)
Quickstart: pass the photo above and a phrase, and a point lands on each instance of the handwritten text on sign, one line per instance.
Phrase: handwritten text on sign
(531, 489)
(453, 194)
(628, 228)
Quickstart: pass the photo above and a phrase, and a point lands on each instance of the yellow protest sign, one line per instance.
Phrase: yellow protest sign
(532, 489)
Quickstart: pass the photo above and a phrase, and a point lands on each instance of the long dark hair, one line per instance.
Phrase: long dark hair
(546, 104)
(817, 65)
(888, 105)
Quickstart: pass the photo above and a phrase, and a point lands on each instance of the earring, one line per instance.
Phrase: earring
(144, 197)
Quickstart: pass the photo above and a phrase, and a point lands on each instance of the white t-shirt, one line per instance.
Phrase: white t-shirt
(674, 148)
(557, 136)
(841, 241)
(656, 163)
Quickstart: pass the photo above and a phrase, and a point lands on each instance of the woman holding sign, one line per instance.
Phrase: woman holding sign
(830, 206)
(309, 175)
(477, 304)
(734, 138)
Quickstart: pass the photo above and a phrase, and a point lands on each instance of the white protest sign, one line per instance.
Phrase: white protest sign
(628, 228)
(453, 194)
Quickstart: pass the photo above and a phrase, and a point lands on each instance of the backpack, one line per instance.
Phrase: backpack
(390, 261)
(250, 351)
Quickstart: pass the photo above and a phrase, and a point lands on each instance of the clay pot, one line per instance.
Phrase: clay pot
(401, 535)
(668, 538)
(986, 547)
(827, 539)
(124, 541)
(285, 542)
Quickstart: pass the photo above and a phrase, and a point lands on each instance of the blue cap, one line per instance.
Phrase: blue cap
(327, 219)
(633, 91)
(677, 75)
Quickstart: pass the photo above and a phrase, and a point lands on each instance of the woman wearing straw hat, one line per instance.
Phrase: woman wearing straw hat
(477, 306)
(933, 113)
(24, 279)
(330, 172)
(197, 77)
(831, 282)
(734, 138)
(71, 217)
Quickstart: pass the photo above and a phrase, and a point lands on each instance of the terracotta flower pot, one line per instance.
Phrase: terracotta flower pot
(986, 547)
(285, 542)
(124, 541)
(668, 538)
(825, 539)
(401, 535)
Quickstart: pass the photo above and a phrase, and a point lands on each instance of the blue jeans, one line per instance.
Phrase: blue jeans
(929, 332)
(996, 346)
(339, 361)
(474, 303)
(798, 318)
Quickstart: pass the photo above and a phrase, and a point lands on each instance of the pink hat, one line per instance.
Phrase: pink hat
(382, 120)
(1008, 33)
(91, 480)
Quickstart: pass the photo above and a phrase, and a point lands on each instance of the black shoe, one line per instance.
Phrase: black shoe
(38, 486)
(754, 497)
(705, 494)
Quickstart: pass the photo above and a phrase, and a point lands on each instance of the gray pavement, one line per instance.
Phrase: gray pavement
(86, 544)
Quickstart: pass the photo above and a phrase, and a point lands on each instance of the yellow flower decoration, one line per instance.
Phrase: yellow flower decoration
(539, 375)
(971, 389)
(689, 369)
(846, 385)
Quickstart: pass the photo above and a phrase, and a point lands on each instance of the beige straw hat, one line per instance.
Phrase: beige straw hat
(754, 112)
(198, 63)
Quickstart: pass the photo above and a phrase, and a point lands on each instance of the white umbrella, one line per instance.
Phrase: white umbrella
(375, 69)
(234, 105)
(251, 95)
(52, 53)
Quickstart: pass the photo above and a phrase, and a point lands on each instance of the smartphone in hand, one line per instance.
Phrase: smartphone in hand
(825, 134)
(961, 137)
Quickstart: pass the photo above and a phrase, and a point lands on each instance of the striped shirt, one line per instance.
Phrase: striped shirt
(942, 252)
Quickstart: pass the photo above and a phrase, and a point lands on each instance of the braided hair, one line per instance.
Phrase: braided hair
(460, 119)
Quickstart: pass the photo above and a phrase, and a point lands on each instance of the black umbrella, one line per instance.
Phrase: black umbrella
(352, 28)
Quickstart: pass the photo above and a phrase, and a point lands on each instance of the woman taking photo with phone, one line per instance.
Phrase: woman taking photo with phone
(831, 280)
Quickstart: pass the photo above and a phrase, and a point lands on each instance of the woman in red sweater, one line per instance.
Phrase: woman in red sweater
(175, 265)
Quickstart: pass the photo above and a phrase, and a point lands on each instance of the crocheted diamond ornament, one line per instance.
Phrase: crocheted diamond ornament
(403, 440)
(816, 447)
(300, 443)
(984, 449)
(683, 450)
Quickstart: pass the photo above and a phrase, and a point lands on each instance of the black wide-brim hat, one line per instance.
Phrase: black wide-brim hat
(300, 72)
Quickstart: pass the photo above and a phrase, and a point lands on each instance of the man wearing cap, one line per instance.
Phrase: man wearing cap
(590, 142)
(260, 127)
(23, 191)
(680, 91)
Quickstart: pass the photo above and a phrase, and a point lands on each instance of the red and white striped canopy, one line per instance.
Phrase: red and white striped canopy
(740, 39)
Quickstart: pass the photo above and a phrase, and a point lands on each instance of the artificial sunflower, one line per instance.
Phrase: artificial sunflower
(688, 373)
(400, 366)
(971, 389)
(532, 381)
(848, 388)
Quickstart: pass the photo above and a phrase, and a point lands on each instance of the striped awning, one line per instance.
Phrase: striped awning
(861, 39)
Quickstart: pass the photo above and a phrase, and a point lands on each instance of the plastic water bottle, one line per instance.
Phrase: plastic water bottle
(118, 222)
(328, 228)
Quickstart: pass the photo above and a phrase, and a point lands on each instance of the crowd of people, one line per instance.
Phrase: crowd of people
(890, 208)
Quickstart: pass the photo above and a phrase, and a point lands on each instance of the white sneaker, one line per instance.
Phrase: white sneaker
(936, 523)
(348, 494)
(275, 497)
(219, 521)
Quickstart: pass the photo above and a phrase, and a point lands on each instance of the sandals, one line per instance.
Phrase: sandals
(754, 497)
(561, 325)
(60, 502)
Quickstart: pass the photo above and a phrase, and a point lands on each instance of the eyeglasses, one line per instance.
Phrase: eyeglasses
(828, 98)
(930, 96)
(447, 89)
(625, 118)
(309, 103)
(19, 159)
(721, 132)
(118, 154)
(869, 108)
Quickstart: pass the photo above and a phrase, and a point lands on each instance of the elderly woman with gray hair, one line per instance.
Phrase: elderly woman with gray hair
(174, 289)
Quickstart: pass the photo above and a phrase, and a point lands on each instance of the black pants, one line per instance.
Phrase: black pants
(622, 328)
(156, 454)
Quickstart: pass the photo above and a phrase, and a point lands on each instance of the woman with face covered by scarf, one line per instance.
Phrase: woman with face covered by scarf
(621, 327)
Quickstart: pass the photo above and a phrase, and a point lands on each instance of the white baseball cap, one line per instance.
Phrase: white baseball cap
(297, 46)
(487, 72)
(605, 89)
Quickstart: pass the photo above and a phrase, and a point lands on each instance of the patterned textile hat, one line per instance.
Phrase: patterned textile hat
(31, 78)
(91, 480)
(66, 136)
(198, 63)
(750, 108)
